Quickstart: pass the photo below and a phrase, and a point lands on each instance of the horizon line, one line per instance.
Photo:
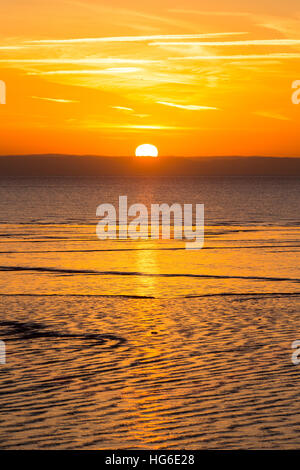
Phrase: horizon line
(141, 158)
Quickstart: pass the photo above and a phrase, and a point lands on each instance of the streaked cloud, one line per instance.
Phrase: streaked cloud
(88, 61)
(115, 76)
(208, 13)
(11, 48)
(125, 16)
(133, 126)
(135, 38)
(249, 42)
(56, 100)
(190, 107)
(129, 127)
(279, 55)
(271, 115)
(286, 25)
(122, 108)
(110, 71)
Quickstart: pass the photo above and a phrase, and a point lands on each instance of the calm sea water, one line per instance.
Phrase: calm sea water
(143, 344)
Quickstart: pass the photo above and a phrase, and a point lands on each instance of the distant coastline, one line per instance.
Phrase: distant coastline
(91, 165)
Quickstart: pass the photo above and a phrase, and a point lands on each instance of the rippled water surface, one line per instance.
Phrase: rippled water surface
(144, 344)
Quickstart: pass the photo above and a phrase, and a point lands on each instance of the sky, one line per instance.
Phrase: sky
(193, 78)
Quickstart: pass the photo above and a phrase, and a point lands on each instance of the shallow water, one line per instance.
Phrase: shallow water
(143, 344)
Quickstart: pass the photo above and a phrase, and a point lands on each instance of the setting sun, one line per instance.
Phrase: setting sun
(146, 150)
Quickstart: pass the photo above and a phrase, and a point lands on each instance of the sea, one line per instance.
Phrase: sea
(144, 344)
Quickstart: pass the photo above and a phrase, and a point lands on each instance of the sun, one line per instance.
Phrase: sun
(146, 150)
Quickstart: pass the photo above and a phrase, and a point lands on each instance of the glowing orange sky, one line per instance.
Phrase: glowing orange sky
(192, 77)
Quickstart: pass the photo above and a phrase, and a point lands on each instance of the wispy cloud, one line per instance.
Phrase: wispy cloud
(285, 25)
(129, 127)
(249, 42)
(208, 13)
(56, 100)
(190, 107)
(9, 48)
(122, 108)
(130, 16)
(110, 71)
(87, 61)
(272, 115)
(135, 38)
(282, 55)
(118, 76)
(132, 126)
